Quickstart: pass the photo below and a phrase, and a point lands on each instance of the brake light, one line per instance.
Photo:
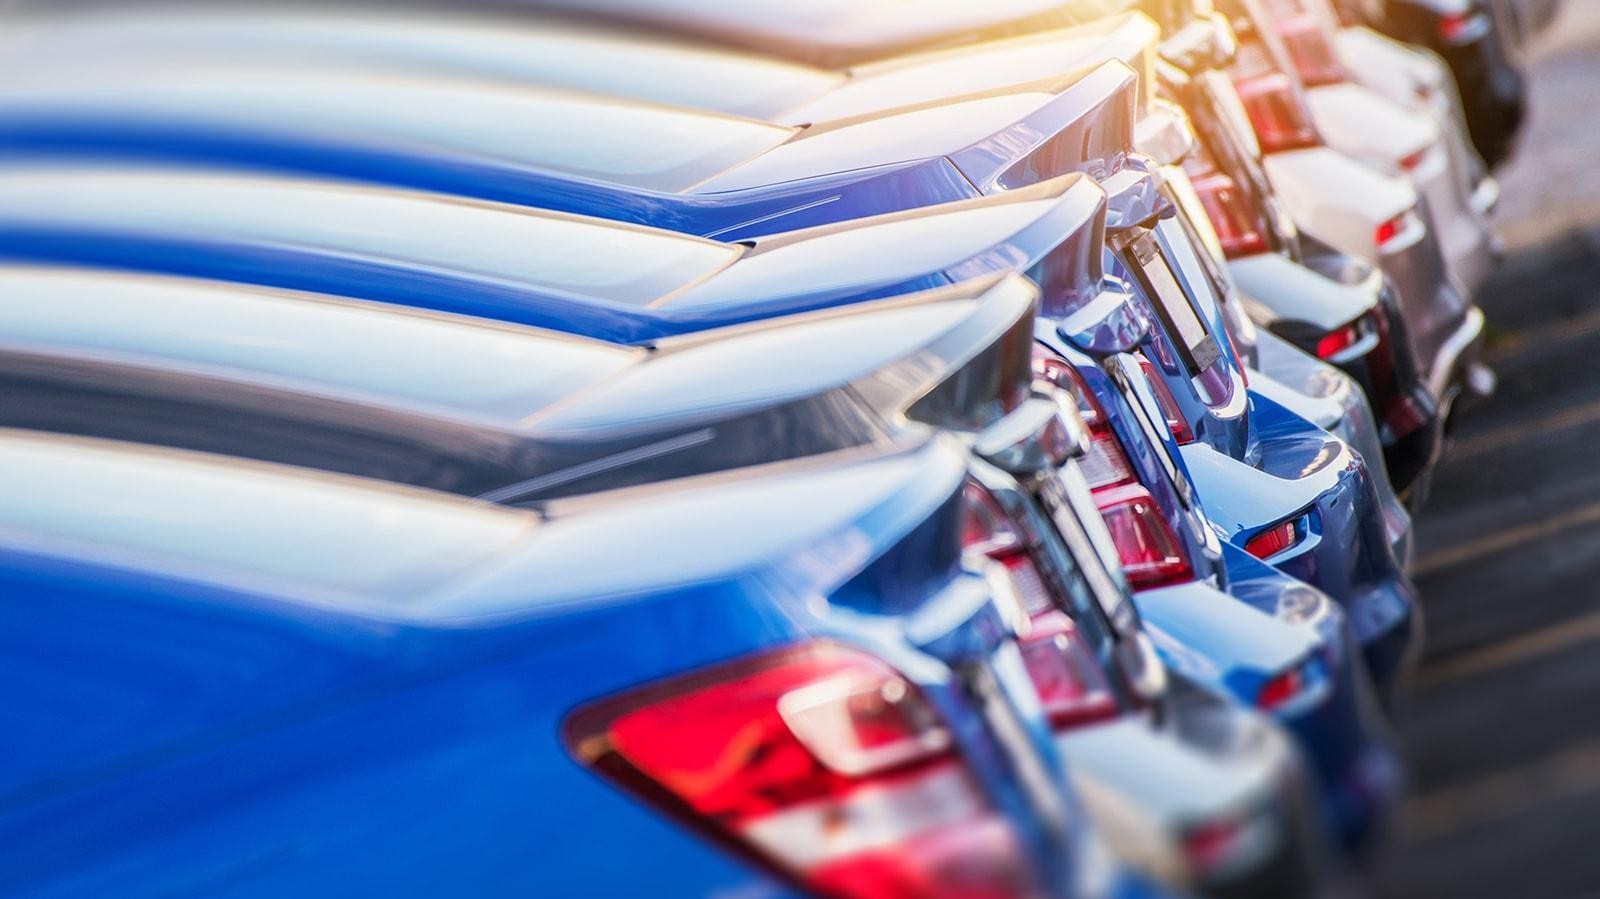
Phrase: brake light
(1277, 113)
(1072, 686)
(819, 760)
(1273, 540)
(1151, 554)
(1105, 464)
(1313, 56)
(1225, 207)
(1176, 423)
(1335, 342)
(1290, 685)
(1279, 690)
(1462, 27)
(987, 529)
(1390, 229)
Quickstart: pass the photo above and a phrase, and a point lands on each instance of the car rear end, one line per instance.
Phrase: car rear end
(359, 696)
(1392, 137)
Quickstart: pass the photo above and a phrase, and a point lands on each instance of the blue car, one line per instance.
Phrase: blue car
(247, 679)
(283, 390)
(598, 58)
(737, 178)
(353, 240)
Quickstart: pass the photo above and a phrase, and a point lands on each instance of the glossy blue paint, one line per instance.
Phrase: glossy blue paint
(992, 164)
(1074, 204)
(1271, 622)
(1316, 479)
(199, 734)
(1350, 748)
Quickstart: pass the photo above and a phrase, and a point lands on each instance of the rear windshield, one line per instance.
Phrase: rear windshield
(570, 254)
(634, 144)
(339, 540)
(328, 346)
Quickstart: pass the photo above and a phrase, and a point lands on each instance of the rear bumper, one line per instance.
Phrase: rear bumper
(1208, 764)
(1334, 402)
(1342, 732)
(1347, 554)
(1344, 546)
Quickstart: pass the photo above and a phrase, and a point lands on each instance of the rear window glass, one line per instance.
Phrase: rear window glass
(587, 257)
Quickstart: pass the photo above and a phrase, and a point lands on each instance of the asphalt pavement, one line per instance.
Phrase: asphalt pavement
(1503, 729)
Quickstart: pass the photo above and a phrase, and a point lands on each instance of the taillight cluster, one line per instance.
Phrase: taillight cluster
(1307, 42)
(1151, 554)
(820, 761)
(1279, 115)
(1236, 230)
(1463, 27)
(1274, 540)
(1389, 230)
(1337, 342)
(1072, 686)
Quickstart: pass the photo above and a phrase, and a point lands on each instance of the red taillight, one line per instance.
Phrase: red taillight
(1215, 843)
(987, 529)
(820, 760)
(1309, 676)
(1105, 464)
(1335, 342)
(1176, 423)
(1279, 690)
(1309, 49)
(1462, 27)
(1273, 540)
(1072, 687)
(1276, 111)
(1390, 229)
(1151, 554)
(1235, 227)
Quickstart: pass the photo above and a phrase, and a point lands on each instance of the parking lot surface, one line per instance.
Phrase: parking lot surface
(1503, 733)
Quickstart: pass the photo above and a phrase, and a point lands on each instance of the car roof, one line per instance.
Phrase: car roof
(379, 550)
(474, 407)
(515, 263)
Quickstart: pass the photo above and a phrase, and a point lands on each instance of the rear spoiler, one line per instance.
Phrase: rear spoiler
(1087, 127)
(966, 372)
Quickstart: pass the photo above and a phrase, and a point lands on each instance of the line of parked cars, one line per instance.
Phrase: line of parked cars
(591, 447)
